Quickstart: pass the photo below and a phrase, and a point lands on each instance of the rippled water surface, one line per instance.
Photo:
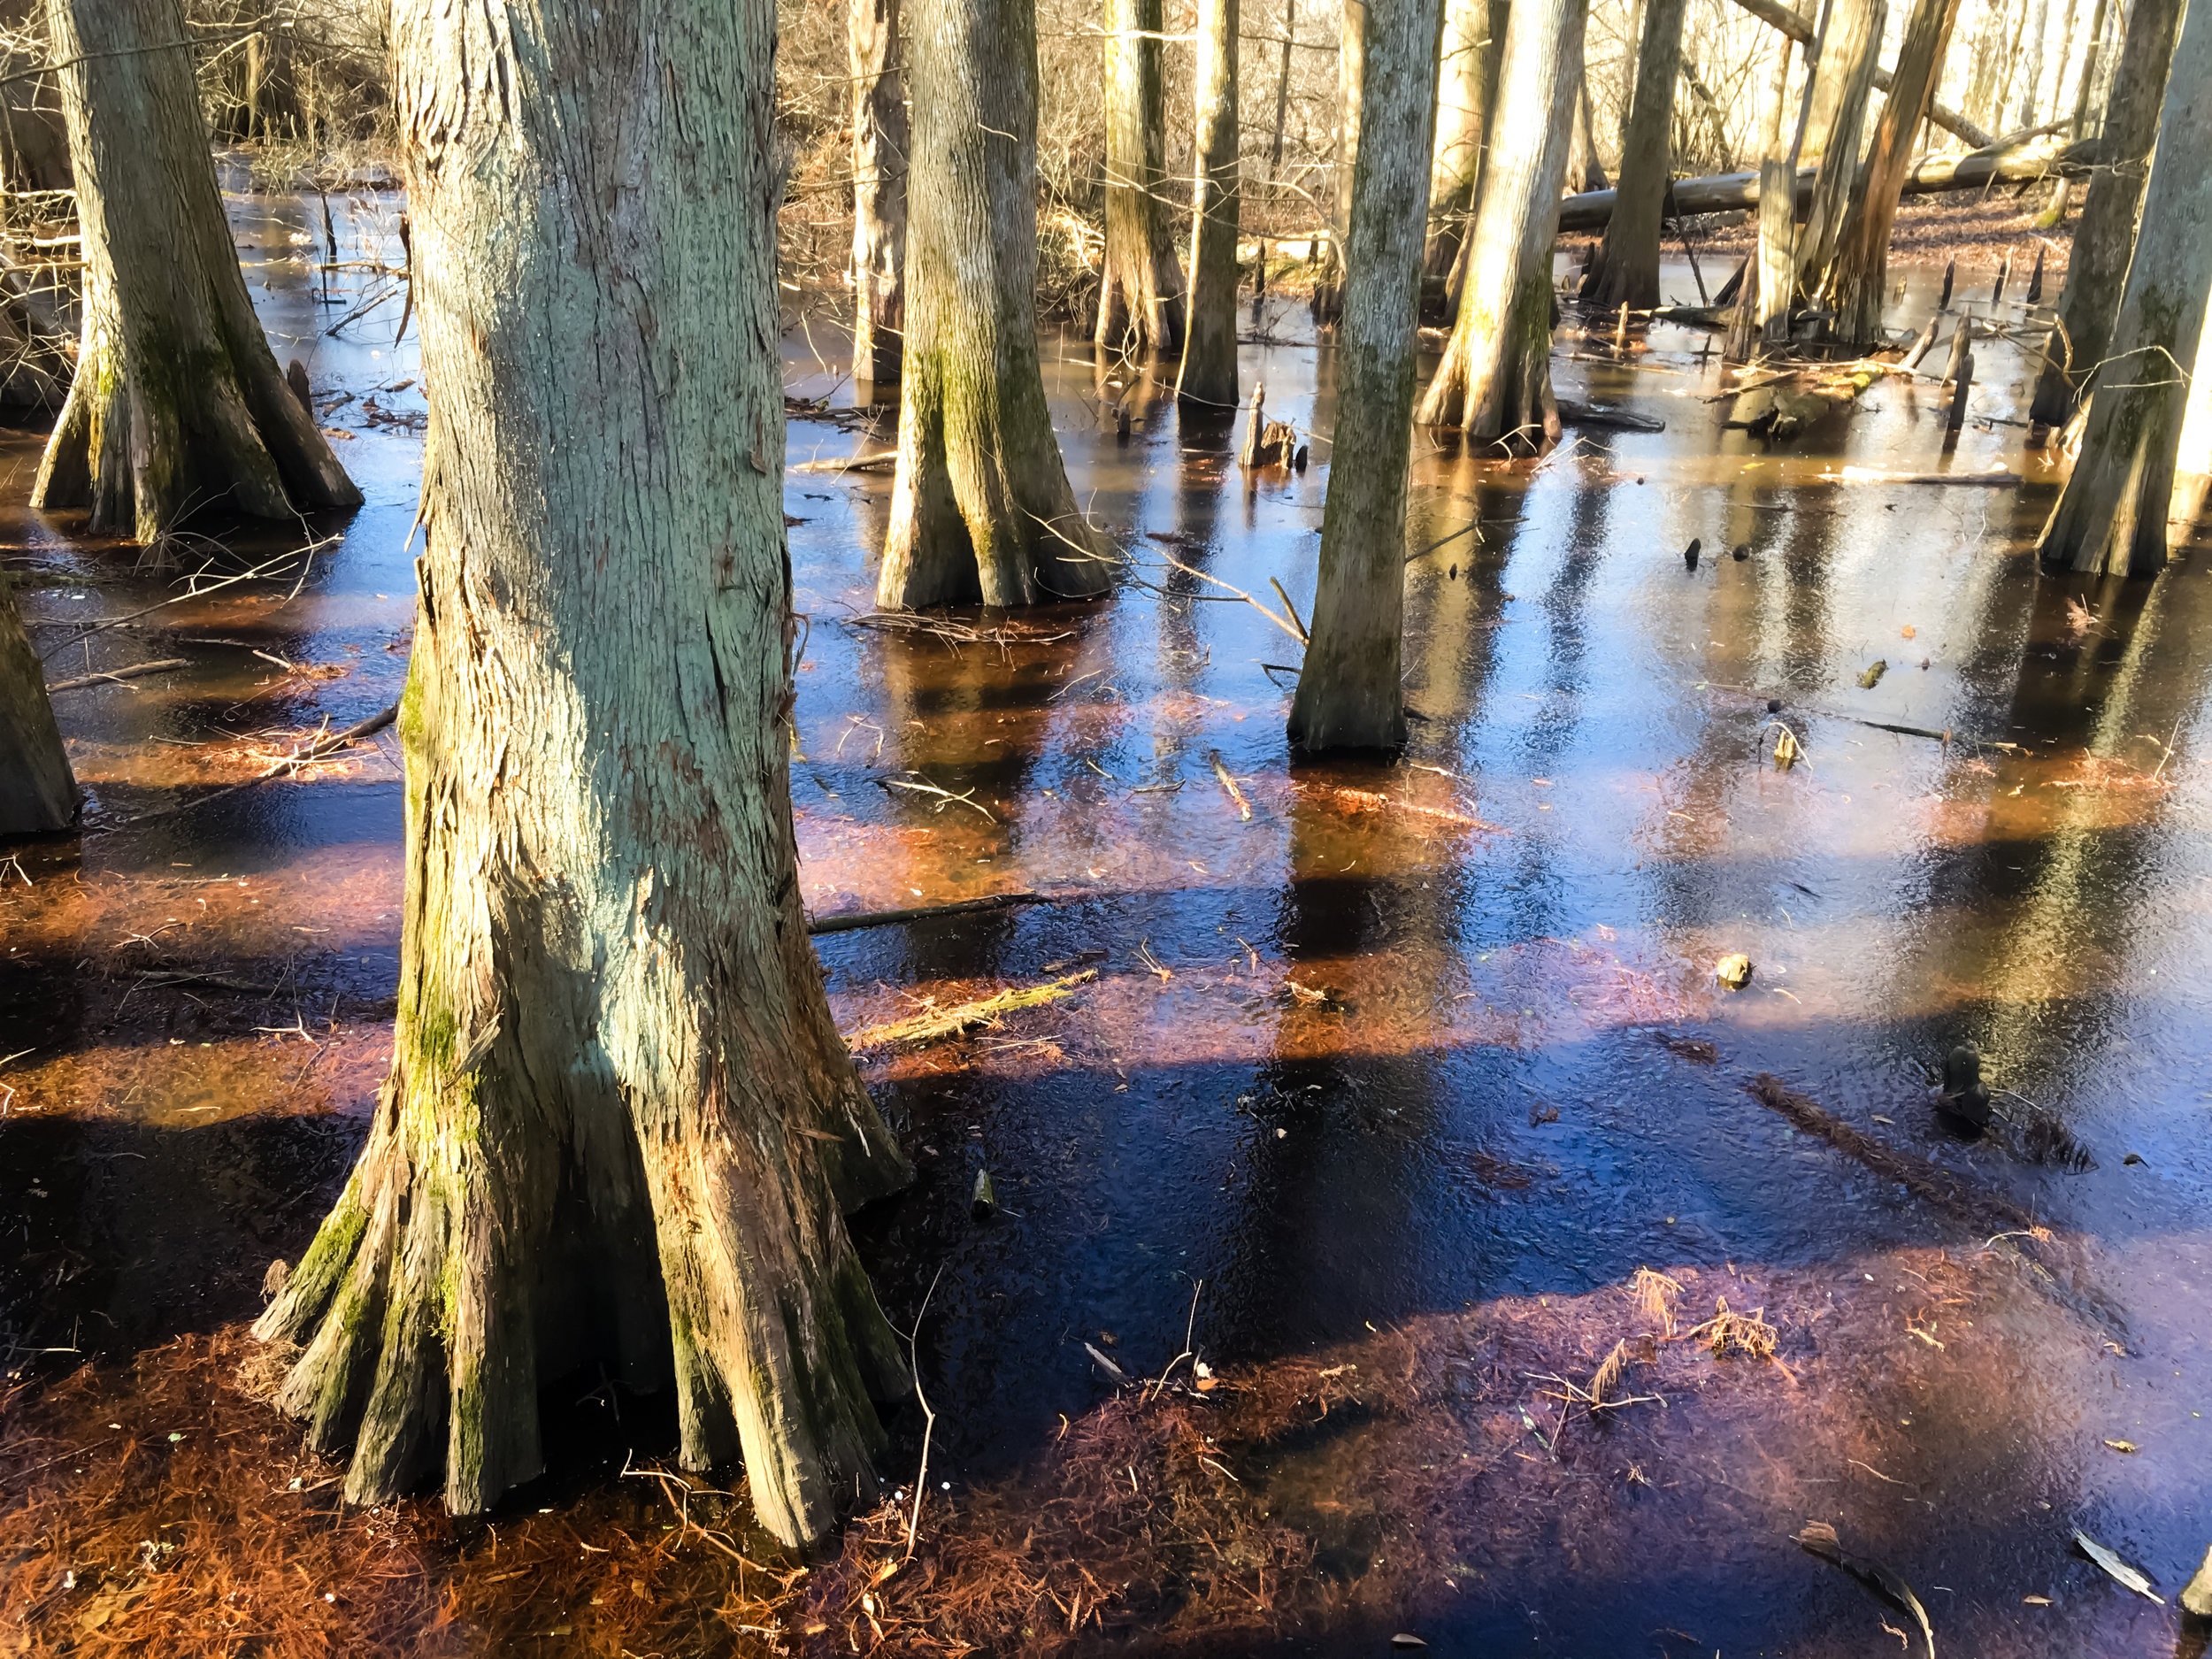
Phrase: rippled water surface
(1382, 1054)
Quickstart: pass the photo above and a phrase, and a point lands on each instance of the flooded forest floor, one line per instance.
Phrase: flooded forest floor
(1403, 1232)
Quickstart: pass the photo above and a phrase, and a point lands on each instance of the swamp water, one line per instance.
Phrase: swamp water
(1384, 1093)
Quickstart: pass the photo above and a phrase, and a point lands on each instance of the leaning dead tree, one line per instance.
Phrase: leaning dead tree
(880, 142)
(38, 792)
(1349, 692)
(1843, 77)
(2097, 269)
(1858, 279)
(177, 402)
(1494, 380)
(1792, 26)
(1624, 270)
(981, 510)
(2111, 516)
(1141, 289)
(619, 1123)
(1208, 375)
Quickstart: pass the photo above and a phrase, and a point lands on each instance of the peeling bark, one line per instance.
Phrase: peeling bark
(2111, 516)
(1208, 375)
(1494, 380)
(1349, 692)
(981, 510)
(879, 146)
(1625, 269)
(619, 1123)
(2097, 269)
(1141, 289)
(177, 402)
(1842, 81)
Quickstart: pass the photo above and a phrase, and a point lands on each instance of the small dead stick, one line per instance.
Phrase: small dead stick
(198, 593)
(1244, 807)
(1189, 1326)
(922, 912)
(115, 676)
(1290, 628)
(321, 748)
(929, 1418)
(1291, 612)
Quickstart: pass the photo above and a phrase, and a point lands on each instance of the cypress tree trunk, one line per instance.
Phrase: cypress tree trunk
(981, 510)
(1859, 279)
(1208, 369)
(879, 145)
(618, 1121)
(1842, 81)
(177, 402)
(1348, 695)
(1778, 99)
(1328, 296)
(2111, 516)
(1625, 270)
(38, 792)
(1141, 290)
(1494, 380)
(2097, 269)
(1462, 113)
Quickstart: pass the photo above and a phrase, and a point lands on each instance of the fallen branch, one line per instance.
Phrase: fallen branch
(1244, 807)
(138, 670)
(855, 920)
(881, 462)
(2000, 478)
(951, 1022)
(322, 748)
(1606, 418)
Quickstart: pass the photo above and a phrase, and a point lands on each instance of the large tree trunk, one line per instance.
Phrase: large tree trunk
(1842, 81)
(1858, 280)
(38, 792)
(177, 402)
(2111, 516)
(1778, 97)
(1462, 121)
(1494, 380)
(880, 147)
(2097, 269)
(620, 1121)
(981, 510)
(1140, 289)
(1625, 270)
(1349, 692)
(1208, 375)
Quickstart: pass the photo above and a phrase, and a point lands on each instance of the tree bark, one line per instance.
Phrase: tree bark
(620, 1121)
(1858, 280)
(1141, 289)
(2039, 22)
(1777, 101)
(177, 402)
(2104, 237)
(879, 153)
(1462, 113)
(1586, 166)
(2111, 516)
(1208, 375)
(1349, 694)
(1494, 380)
(1350, 79)
(981, 510)
(1842, 81)
(38, 792)
(1625, 269)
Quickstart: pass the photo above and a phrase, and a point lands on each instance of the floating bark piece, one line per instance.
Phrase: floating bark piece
(1733, 970)
(948, 1022)
(851, 922)
(1608, 419)
(137, 671)
(1819, 1539)
(2196, 1598)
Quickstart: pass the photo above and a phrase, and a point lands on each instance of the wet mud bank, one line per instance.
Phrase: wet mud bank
(1402, 1229)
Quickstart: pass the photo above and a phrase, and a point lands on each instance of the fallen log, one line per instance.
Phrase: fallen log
(1604, 416)
(1780, 17)
(1730, 192)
